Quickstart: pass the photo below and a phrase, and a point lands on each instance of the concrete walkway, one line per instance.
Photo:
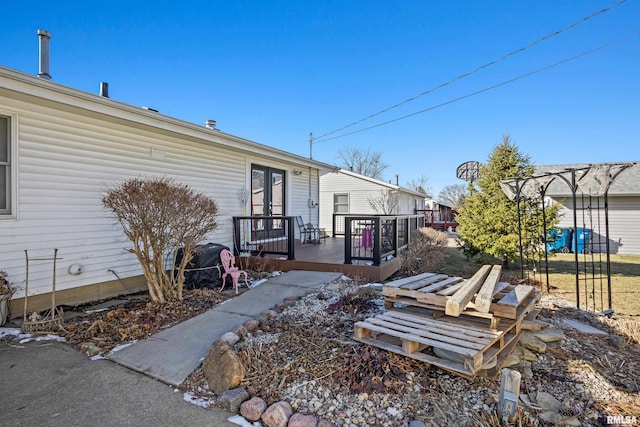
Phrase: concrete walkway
(51, 384)
(171, 355)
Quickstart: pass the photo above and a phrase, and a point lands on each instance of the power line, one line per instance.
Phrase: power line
(462, 76)
(469, 95)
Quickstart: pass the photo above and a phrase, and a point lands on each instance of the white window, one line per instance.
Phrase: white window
(341, 203)
(5, 165)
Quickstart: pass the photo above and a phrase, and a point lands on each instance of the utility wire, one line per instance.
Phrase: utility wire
(462, 76)
(469, 95)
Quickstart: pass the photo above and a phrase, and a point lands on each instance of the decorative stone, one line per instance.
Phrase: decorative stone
(251, 325)
(222, 367)
(417, 423)
(550, 406)
(269, 314)
(549, 335)
(90, 348)
(253, 408)
(240, 331)
(231, 400)
(325, 423)
(301, 420)
(532, 342)
(230, 338)
(277, 415)
(511, 360)
(528, 355)
(290, 300)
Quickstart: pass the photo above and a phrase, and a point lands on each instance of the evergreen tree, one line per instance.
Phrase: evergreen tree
(489, 220)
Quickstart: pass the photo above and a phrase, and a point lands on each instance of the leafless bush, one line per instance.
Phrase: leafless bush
(159, 216)
(425, 251)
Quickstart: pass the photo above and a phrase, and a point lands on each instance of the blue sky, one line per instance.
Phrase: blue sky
(273, 72)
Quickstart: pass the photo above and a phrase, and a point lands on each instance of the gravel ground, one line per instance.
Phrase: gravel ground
(305, 356)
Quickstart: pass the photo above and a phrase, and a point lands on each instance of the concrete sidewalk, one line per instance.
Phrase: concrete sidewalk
(51, 384)
(171, 355)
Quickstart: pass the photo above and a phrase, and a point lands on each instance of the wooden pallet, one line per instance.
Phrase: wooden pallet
(470, 348)
(456, 296)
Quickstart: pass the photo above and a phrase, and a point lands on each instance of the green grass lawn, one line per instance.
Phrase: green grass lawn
(625, 278)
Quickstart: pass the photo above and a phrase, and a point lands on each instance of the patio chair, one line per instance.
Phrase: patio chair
(309, 232)
(230, 268)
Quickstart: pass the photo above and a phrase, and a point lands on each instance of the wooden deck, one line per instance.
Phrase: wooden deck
(329, 256)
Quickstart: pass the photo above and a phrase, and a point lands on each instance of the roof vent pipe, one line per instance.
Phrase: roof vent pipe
(211, 124)
(104, 89)
(398, 180)
(44, 38)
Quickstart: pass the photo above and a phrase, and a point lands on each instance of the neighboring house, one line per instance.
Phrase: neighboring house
(346, 192)
(61, 148)
(623, 208)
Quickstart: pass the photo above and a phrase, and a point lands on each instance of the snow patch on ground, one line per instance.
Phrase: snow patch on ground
(257, 283)
(24, 338)
(241, 421)
(9, 332)
(198, 401)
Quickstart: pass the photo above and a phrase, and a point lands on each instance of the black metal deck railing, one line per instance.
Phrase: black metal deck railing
(374, 238)
(264, 235)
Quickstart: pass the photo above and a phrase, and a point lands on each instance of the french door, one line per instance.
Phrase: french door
(267, 199)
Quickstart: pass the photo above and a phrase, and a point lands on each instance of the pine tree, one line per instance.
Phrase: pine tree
(488, 221)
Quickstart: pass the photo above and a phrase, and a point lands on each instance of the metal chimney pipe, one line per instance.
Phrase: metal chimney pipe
(398, 180)
(44, 38)
(104, 89)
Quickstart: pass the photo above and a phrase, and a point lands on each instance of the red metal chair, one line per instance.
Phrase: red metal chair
(229, 265)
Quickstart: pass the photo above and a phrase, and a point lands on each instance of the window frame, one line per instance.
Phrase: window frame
(12, 126)
(335, 203)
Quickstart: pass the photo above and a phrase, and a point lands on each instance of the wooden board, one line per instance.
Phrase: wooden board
(483, 300)
(458, 301)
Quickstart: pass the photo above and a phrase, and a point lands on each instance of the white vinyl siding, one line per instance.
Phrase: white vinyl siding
(68, 157)
(624, 222)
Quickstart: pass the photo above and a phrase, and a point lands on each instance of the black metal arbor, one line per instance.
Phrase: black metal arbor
(589, 191)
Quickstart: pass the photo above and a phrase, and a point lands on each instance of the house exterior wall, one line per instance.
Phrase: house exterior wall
(360, 191)
(67, 156)
(624, 222)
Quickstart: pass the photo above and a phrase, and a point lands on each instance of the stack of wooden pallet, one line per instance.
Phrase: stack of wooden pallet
(466, 326)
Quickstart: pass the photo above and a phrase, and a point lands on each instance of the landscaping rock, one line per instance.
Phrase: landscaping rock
(231, 400)
(277, 415)
(253, 408)
(240, 331)
(230, 338)
(269, 314)
(301, 420)
(251, 325)
(550, 406)
(417, 423)
(532, 342)
(549, 335)
(325, 423)
(222, 367)
(511, 360)
(90, 348)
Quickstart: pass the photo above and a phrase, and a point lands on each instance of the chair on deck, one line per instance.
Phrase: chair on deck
(309, 232)
(229, 266)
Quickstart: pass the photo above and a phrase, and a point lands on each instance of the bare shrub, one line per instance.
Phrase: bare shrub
(160, 216)
(426, 250)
